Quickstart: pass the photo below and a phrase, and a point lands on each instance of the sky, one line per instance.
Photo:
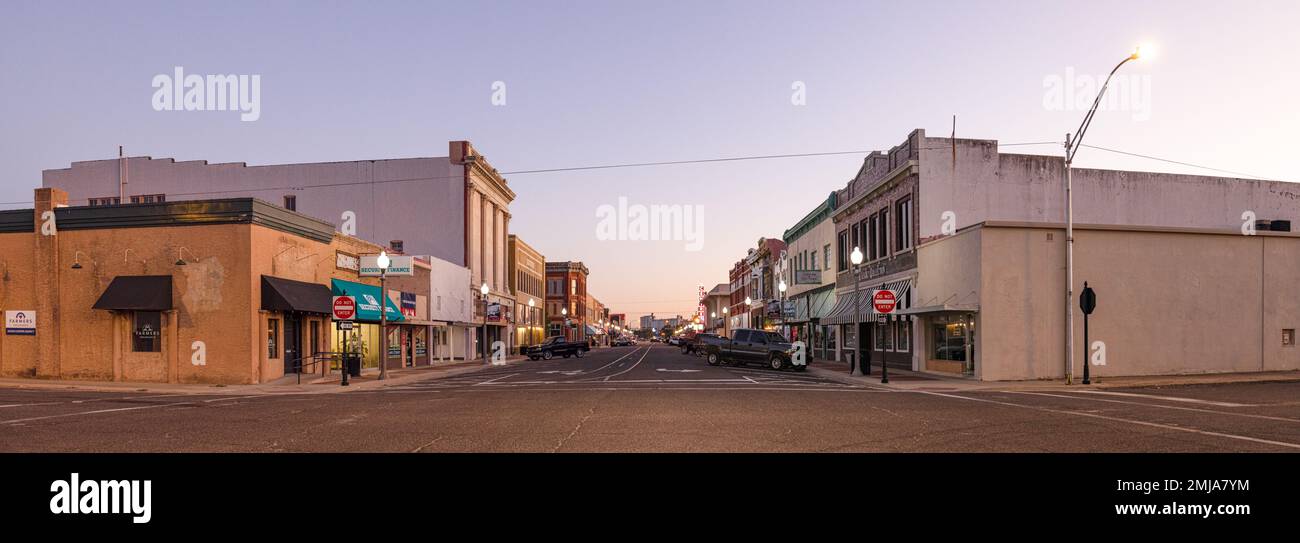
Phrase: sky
(627, 81)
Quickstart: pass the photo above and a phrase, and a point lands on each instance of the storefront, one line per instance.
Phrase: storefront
(364, 337)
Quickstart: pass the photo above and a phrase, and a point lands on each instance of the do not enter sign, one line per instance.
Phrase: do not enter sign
(345, 308)
(884, 301)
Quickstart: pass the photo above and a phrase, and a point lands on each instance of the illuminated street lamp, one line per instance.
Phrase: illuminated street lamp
(531, 303)
(1071, 148)
(383, 261)
(865, 368)
(484, 291)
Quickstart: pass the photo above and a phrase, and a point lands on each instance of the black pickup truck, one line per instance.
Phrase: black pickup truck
(749, 346)
(556, 345)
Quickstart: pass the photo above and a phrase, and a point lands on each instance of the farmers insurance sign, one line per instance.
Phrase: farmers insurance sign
(20, 323)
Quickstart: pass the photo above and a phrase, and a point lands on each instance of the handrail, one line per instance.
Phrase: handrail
(316, 358)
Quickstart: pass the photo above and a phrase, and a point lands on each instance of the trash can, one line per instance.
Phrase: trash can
(354, 364)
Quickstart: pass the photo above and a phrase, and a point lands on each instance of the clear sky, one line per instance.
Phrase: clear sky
(636, 81)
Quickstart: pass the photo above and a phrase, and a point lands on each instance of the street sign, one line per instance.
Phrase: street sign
(345, 325)
(884, 301)
(1088, 300)
(345, 308)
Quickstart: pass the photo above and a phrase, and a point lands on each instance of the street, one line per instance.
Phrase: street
(652, 398)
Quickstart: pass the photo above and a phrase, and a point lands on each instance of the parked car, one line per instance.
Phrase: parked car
(556, 345)
(624, 342)
(748, 346)
(675, 341)
(693, 346)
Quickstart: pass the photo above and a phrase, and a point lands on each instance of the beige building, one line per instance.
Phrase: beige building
(1169, 301)
(528, 283)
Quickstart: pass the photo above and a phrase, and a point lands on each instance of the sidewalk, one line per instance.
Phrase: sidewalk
(311, 384)
(903, 380)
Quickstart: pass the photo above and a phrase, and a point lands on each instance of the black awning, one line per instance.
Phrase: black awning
(137, 293)
(280, 294)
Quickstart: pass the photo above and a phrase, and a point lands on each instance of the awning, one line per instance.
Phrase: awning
(367, 300)
(592, 331)
(843, 312)
(137, 293)
(943, 308)
(279, 294)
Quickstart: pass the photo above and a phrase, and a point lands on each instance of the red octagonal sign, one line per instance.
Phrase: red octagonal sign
(345, 308)
(884, 301)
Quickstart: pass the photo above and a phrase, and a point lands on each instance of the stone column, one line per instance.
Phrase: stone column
(475, 236)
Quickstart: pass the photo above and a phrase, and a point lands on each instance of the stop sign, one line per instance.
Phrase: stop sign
(345, 307)
(884, 301)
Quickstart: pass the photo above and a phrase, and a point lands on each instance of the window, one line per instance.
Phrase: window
(315, 338)
(147, 199)
(874, 250)
(826, 258)
(903, 230)
(841, 262)
(904, 342)
(291, 202)
(108, 201)
(857, 242)
(573, 287)
(147, 332)
(884, 234)
(813, 264)
(273, 338)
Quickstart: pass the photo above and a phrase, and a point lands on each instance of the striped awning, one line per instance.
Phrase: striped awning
(843, 313)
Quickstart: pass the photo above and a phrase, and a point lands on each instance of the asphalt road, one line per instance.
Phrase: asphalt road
(656, 399)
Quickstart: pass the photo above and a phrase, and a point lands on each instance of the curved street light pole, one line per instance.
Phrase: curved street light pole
(1071, 147)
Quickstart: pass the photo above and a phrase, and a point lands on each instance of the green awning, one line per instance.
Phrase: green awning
(367, 300)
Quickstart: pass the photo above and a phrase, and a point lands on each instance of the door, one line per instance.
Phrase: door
(292, 342)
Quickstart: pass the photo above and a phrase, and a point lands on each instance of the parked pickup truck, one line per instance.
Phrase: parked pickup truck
(556, 345)
(746, 346)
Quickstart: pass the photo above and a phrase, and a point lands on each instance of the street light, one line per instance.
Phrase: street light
(1071, 148)
(780, 287)
(531, 303)
(383, 261)
(856, 258)
(484, 291)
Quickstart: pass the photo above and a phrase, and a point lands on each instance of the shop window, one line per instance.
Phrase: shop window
(948, 341)
(147, 332)
(904, 342)
(315, 338)
(273, 338)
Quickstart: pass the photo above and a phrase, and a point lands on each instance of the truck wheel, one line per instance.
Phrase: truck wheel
(578, 353)
(714, 359)
(547, 355)
(776, 362)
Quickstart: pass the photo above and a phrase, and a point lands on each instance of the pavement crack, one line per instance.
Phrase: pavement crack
(426, 445)
(590, 412)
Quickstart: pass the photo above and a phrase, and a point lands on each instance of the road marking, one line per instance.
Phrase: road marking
(678, 371)
(1178, 407)
(1169, 398)
(98, 411)
(618, 359)
(496, 379)
(638, 362)
(1116, 419)
(29, 404)
(750, 380)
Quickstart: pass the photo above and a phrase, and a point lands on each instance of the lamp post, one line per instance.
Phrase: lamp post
(564, 312)
(856, 258)
(726, 326)
(531, 303)
(383, 261)
(780, 287)
(1072, 147)
(484, 291)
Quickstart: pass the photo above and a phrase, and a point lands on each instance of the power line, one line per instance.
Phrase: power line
(1171, 161)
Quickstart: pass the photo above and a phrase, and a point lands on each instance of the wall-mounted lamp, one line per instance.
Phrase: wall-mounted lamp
(76, 260)
(181, 261)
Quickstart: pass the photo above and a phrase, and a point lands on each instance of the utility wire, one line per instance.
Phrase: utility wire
(1149, 157)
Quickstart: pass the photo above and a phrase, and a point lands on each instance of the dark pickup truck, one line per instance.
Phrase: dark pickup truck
(556, 346)
(749, 346)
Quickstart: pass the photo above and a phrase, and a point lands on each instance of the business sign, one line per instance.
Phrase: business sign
(408, 304)
(20, 323)
(494, 312)
(788, 310)
(807, 277)
(397, 265)
(344, 261)
(884, 301)
(345, 308)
